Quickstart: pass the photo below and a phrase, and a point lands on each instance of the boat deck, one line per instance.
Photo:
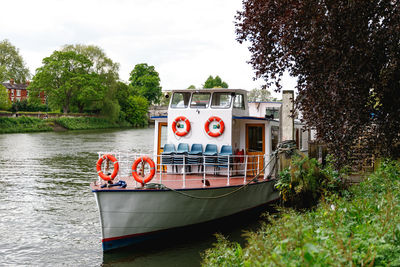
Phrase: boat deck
(177, 181)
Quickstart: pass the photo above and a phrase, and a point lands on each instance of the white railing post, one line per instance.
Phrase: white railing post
(161, 167)
(204, 171)
(228, 170)
(245, 168)
(184, 171)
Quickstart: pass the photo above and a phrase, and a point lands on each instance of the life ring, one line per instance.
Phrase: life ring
(152, 170)
(221, 128)
(116, 167)
(175, 122)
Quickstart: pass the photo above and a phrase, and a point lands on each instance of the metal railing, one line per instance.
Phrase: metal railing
(181, 168)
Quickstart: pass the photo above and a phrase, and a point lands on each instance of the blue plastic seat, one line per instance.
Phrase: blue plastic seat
(226, 150)
(197, 149)
(195, 156)
(211, 153)
(183, 148)
(225, 154)
(180, 156)
(169, 149)
(167, 156)
(181, 152)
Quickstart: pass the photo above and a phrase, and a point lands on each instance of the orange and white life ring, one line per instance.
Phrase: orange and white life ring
(175, 122)
(116, 167)
(152, 170)
(221, 126)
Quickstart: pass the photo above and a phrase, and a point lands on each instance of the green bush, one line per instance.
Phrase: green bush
(85, 123)
(307, 180)
(363, 230)
(136, 112)
(25, 105)
(23, 124)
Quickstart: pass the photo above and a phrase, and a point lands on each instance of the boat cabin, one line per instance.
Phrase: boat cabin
(219, 118)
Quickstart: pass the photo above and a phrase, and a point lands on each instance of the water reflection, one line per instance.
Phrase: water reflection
(184, 247)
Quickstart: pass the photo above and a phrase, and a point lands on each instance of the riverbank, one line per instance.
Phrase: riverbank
(25, 124)
(362, 228)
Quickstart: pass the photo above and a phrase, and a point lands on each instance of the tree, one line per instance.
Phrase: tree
(101, 63)
(107, 72)
(65, 78)
(5, 102)
(345, 55)
(191, 87)
(12, 65)
(259, 95)
(123, 92)
(216, 82)
(136, 112)
(146, 82)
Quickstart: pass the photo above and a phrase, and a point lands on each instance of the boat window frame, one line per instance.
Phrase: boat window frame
(243, 106)
(232, 96)
(200, 93)
(184, 107)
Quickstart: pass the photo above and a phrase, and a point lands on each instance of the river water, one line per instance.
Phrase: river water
(48, 215)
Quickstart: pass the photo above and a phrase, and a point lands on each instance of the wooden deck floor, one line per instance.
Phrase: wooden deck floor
(176, 181)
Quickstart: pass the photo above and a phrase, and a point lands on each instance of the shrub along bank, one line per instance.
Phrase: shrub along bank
(23, 124)
(30, 124)
(360, 228)
(86, 123)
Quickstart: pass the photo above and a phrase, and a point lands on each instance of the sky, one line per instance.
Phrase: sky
(186, 41)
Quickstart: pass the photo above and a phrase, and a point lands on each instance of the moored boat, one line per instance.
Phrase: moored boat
(211, 159)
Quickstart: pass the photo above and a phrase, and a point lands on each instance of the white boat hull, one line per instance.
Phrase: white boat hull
(131, 216)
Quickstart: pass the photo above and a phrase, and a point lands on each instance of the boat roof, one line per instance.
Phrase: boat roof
(211, 90)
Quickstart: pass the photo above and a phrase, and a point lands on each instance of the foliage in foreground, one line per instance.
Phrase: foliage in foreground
(303, 184)
(360, 229)
(23, 124)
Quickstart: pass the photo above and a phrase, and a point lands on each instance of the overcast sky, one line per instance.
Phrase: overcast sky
(186, 41)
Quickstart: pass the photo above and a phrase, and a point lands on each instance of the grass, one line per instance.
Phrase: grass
(23, 124)
(85, 123)
(361, 228)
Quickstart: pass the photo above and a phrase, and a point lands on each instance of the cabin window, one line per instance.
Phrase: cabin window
(180, 100)
(163, 135)
(200, 100)
(18, 92)
(221, 100)
(274, 137)
(239, 101)
(272, 113)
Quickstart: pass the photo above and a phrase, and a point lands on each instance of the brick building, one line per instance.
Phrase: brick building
(18, 92)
